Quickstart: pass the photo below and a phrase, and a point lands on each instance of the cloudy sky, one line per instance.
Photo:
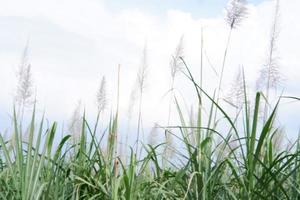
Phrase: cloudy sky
(73, 43)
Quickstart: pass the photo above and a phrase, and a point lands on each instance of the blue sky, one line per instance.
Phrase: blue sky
(198, 8)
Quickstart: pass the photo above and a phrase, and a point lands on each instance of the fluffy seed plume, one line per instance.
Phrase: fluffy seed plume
(236, 11)
(101, 95)
(270, 75)
(176, 62)
(24, 92)
(170, 146)
(141, 78)
(132, 101)
(75, 123)
(235, 96)
(152, 137)
(142, 73)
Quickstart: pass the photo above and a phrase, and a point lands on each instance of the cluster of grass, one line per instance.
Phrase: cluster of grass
(251, 168)
(238, 159)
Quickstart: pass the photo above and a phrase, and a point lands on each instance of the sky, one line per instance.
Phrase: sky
(197, 8)
(73, 43)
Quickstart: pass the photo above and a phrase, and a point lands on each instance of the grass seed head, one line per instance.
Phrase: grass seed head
(236, 11)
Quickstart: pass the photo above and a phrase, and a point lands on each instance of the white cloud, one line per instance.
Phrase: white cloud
(75, 42)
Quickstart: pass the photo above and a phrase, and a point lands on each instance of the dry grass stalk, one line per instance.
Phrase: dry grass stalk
(170, 145)
(175, 66)
(152, 137)
(236, 94)
(176, 62)
(132, 101)
(141, 81)
(270, 75)
(236, 11)
(75, 123)
(24, 93)
(101, 96)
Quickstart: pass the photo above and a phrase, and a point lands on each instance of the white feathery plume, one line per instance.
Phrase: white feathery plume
(175, 66)
(236, 94)
(142, 73)
(75, 123)
(141, 80)
(152, 137)
(236, 11)
(176, 62)
(270, 75)
(101, 96)
(24, 91)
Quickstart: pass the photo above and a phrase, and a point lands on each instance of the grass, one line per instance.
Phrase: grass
(250, 169)
(221, 155)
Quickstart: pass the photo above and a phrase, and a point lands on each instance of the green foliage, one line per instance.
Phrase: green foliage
(35, 168)
(214, 161)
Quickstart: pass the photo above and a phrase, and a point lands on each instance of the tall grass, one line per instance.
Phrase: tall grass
(228, 161)
(250, 169)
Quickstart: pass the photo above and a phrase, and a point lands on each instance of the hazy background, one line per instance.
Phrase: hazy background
(73, 43)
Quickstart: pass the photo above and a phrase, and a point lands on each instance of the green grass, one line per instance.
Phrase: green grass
(220, 156)
(208, 169)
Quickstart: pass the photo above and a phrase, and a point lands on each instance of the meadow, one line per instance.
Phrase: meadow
(235, 153)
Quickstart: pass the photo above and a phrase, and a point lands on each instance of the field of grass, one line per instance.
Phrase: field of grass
(245, 164)
(222, 155)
